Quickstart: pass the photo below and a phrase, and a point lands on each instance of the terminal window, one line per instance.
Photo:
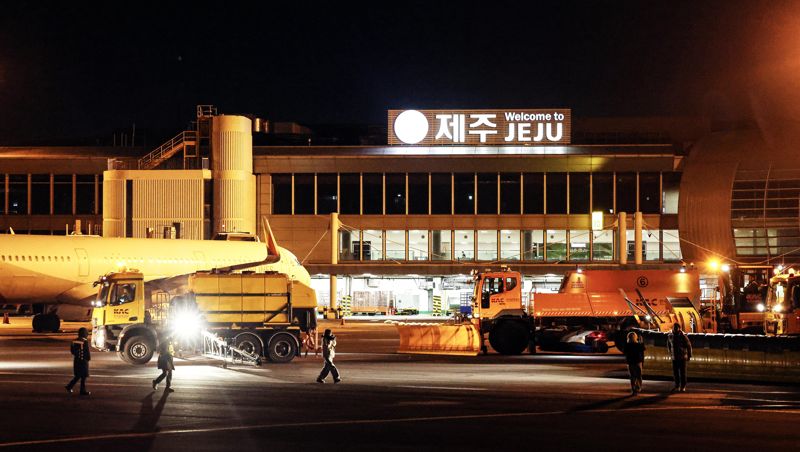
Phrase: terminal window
(396, 194)
(533, 193)
(441, 192)
(556, 193)
(326, 194)
(487, 193)
(18, 194)
(464, 193)
(84, 194)
(509, 245)
(464, 245)
(509, 193)
(62, 194)
(649, 192)
(578, 193)
(579, 245)
(487, 245)
(373, 193)
(533, 245)
(281, 193)
(441, 246)
(603, 192)
(2, 193)
(350, 193)
(418, 193)
(556, 245)
(626, 192)
(304, 194)
(40, 194)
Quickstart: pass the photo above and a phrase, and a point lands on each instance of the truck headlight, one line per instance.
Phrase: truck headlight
(186, 323)
(777, 308)
(760, 307)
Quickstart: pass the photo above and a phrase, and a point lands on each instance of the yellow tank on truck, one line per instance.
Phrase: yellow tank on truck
(249, 298)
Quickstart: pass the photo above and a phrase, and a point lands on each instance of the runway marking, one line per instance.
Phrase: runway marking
(442, 387)
(117, 436)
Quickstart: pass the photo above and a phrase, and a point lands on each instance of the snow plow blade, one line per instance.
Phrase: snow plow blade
(439, 339)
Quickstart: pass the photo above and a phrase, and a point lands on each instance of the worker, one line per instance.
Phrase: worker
(80, 361)
(165, 364)
(680, 350)
(328, 352)
(634, 356)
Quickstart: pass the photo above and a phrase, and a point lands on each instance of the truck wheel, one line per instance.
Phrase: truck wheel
(138, 350)
(38, 323)
(509, 338)
(282, 348)
(249, 343)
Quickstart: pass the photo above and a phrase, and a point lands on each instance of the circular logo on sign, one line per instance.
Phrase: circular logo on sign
(642, 281)
(411, 127)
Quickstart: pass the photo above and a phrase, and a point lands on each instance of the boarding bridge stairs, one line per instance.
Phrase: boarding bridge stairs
(185, 141)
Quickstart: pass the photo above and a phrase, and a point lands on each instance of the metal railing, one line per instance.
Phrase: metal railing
(217, 348)
(168, 149)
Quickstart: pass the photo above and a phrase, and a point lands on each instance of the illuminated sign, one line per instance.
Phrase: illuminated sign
(597, 221)
(480, 127)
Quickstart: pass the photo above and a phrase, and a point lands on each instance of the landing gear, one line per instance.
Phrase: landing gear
(46, 323)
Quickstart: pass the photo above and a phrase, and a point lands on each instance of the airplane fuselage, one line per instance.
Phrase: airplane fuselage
(61, 269)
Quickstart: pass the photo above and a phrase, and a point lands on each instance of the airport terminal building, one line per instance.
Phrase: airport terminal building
(476, 189)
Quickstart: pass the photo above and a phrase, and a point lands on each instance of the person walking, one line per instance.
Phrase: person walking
(80, 361)
(328, 352)
(680, 350)
(634, 356)
(165, 364)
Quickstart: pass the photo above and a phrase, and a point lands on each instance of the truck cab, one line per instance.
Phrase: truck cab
(782, 309)
(498, 311)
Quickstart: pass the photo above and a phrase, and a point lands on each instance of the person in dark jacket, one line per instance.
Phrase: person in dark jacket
(680, 350)
(165, 364)
(328, 352)
(634, 356)
(80, 361)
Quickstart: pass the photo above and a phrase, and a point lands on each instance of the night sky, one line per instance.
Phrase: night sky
(78, 71)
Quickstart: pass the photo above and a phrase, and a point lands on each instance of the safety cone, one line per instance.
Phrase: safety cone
(5, 319)
(342, 322)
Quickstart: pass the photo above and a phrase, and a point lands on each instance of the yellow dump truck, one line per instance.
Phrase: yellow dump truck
(260, 313)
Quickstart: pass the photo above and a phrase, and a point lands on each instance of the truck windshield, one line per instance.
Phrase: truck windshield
(777, 294)
(102, 296)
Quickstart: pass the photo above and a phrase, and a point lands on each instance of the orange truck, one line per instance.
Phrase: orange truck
(591, 307)
(610, 302)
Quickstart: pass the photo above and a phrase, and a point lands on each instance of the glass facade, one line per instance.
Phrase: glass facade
(533, 245)
(487, 245)
(556, 246)
(441, 245)
(418, 245)
(395, 194)
(441, 192)
(510, 245)
(304, 194)
(396, 245)
(464, 245)
(579, 193)
(84, 194)
(556, 193)
(603, 245)
(489, 193)
(327, 194)
(579, 245)
(349, 245)
(40, 194)
(62, 194)
(373, 245)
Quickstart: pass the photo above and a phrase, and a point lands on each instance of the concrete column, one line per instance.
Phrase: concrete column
(637, 237)
(334, 231)
(333, 301)
(622, 228)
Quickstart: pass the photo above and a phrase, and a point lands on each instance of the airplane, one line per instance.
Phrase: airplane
(59, 271)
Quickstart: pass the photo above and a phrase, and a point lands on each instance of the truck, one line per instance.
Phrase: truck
(781, 312)
(262, 314)
(496, 313)
(591, 309)
(609, 303)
